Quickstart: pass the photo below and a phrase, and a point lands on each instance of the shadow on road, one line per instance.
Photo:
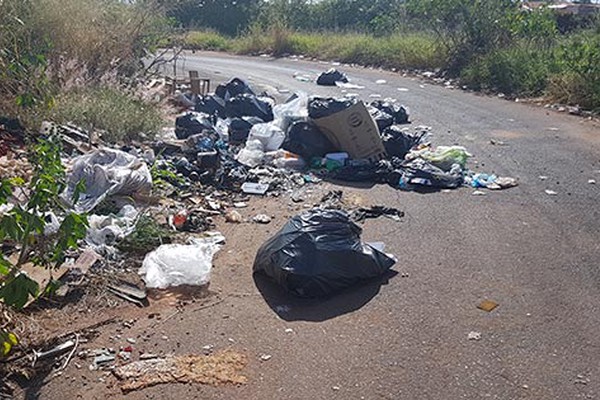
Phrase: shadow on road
(291, 308)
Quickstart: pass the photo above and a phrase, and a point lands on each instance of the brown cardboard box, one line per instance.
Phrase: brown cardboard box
(354, 131)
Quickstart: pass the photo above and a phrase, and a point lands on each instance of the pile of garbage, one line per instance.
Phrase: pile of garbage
(234, 131)
(234, 143)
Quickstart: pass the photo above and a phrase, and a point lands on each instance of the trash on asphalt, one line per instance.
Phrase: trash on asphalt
(331, 77)
(473, 335)
(176, 264)
(487, 305)
(318, 253)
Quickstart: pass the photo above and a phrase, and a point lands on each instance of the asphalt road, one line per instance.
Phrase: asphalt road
(535, 254)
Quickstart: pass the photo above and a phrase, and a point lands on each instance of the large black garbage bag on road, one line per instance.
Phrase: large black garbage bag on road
(330, 77)
(399, 113)
(306, 140)
(233, 88)
(192, 123)
(248, 105)
(398, 143)
(318, 253)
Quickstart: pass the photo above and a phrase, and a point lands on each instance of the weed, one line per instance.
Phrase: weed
(121, 115)
(148, 235)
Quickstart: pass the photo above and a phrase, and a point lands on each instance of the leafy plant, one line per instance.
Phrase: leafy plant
(25, 227)
(7, 341)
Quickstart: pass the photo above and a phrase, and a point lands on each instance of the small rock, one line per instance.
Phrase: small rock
(265, 357)
(289, 330)
(262, 219)
(335, 388)
(474, 335)
(551, 192)
(131, 340)
(592, 181)
(543, 177)
(478, 193)
(525, 386)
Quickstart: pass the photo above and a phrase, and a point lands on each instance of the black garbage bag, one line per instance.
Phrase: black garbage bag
(329, 78)
(306, 140)
(318, 253)
(211, 105)
(421, 173)
(320, 107)
(239, 128)
(192, 123)
(381, 118)
(233, 88)
(248, 105)
(399, 113)
(398, 143)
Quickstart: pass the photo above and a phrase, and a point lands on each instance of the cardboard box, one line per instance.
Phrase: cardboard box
(354, 131)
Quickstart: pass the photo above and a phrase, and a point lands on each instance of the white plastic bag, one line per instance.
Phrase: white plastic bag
(294, 110)
(251, 155)
(107, 172)
(268, 134)
(176, 264)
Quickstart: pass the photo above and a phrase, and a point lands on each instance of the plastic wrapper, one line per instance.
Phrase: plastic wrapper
(107, 172)
(176, 264)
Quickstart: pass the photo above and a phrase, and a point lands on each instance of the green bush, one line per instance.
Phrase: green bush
(579, 79)
(518, 70)
(121, 115)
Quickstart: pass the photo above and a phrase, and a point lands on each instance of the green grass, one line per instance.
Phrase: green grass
(120, 115)
(406, 51)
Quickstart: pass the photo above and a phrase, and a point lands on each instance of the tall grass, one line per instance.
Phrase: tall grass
(119, 115)
(402, 51)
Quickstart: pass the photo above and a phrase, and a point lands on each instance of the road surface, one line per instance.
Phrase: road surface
(536, 255)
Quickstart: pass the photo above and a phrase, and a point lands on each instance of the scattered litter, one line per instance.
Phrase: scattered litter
(255, 188)
(319, 252)
(131, 340)
(381, 81)
(331, 77)
(478, 193)
(265, 357)
(60, 349)
(497, 142)
(550, 192)
(362, 214)
(543, 177)
(240, 204)
(217, 369)
(130, 293)
(289, 330)
(176, 264)
(348, 85)
(403, 89)
(487, 305)
(474, 335)
(234, 217)
(592, 181)
(262, 219)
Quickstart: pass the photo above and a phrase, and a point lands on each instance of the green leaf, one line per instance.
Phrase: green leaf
(79, 188)
(72, 229)
(6, 187)
(5, 266)
(16, 292)
(7, 341)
